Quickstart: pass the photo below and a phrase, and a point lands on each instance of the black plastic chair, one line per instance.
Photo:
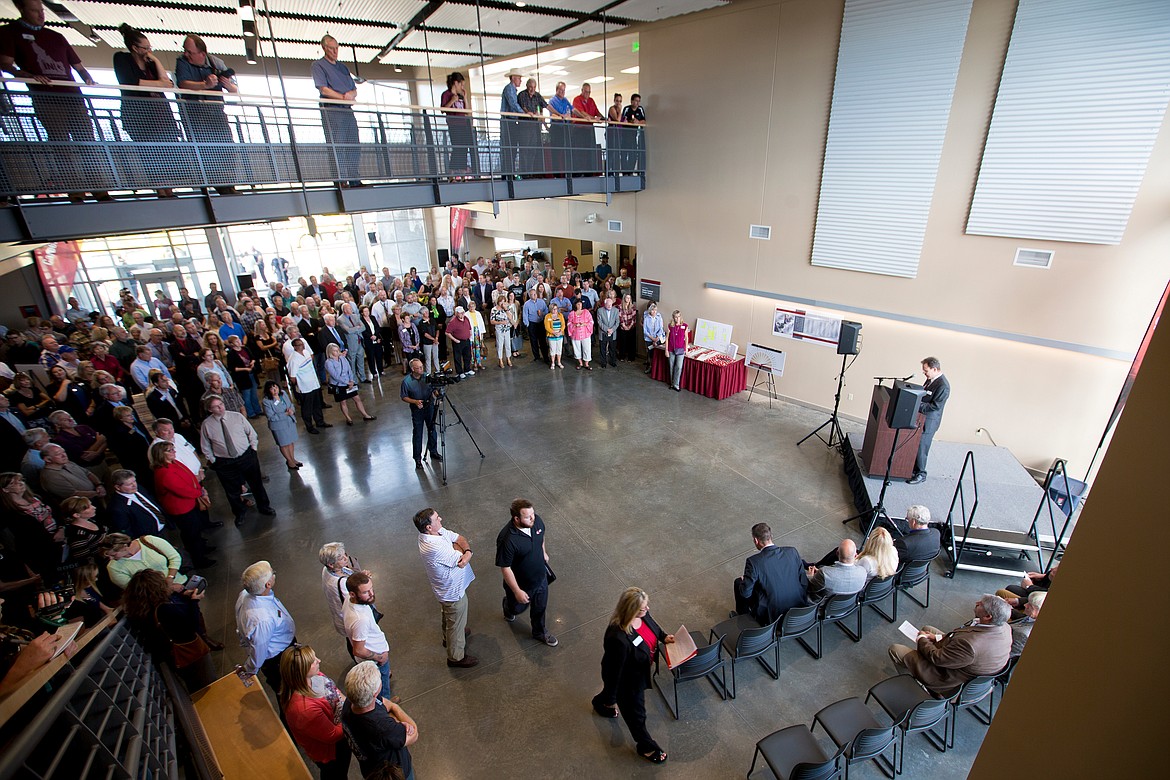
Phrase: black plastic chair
(743, 638)
(970, 695)
(850, 724)
(837, 608)
(1001, 681)
(797, 622)
(794, 754)
(913, 574)
(912, 709)
(877, 591)
(705, 663)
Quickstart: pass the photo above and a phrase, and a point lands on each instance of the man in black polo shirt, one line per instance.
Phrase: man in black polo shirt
(521, 556)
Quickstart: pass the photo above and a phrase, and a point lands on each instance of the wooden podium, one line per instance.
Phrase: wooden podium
(879, 440)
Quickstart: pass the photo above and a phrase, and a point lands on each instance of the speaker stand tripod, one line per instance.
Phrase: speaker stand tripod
(879, 509)
(836, 438)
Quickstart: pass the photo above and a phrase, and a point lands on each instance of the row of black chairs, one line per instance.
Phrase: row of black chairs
(794, 753)
(743, 638)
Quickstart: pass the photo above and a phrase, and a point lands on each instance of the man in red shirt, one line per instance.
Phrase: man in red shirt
(570, 261)
(586, 154)
(29, 50)
(459, 333)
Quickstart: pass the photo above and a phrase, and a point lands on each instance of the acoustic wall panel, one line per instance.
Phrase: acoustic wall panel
(896, 70)
(1081, 100)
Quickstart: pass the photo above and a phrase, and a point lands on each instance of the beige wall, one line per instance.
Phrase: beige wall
(738, 102)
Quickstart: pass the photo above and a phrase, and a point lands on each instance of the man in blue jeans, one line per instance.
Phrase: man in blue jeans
(522, 558)
(417, 392)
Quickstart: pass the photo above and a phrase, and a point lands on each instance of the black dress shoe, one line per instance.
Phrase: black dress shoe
(917, 479)
(436, 457)
(466, 662)
(326, 425)
(268, 511)
(239, 520)
(418, 464)
(313, 430)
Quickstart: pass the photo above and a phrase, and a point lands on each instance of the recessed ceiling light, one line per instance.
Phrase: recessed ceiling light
(599, 79)
(554, 69)
(521, 4)
(632, 71)
(397, 69)
(586, 56)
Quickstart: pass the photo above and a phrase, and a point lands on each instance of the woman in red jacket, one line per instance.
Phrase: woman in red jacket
(311, 705)
(183, 499)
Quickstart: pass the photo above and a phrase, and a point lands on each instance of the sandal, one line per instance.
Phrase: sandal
(657, 757)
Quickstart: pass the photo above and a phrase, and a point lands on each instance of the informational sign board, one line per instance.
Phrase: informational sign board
(649, 290)
(765, 359)
(712, 335)
(800, 325)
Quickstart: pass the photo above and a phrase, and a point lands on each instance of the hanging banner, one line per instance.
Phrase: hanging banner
(800, 325)
(57, 263)
(459, 219)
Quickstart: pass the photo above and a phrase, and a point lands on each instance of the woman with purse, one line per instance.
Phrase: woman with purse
(311, 705)
(343, 384)
(170, 626)
(503, 321)
(631, 641)
(183, 498)
(282, 421)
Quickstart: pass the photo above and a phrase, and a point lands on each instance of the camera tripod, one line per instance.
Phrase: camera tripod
(836, 438)
(441, 404)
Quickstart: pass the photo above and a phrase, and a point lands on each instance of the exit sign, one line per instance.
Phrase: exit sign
(635, 47)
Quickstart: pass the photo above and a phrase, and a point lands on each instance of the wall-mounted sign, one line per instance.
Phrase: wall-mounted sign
(649, 290)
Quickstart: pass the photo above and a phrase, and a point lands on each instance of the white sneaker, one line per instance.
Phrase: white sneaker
(463, 376)
(471, 373)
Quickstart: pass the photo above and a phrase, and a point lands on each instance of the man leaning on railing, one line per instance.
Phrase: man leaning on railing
(333, 80)
(29, 50)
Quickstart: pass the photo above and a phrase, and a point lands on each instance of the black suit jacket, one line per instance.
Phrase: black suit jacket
(103, 417)
(917, 545)
(482, 293)
(932, 407)
(132, 519)
(12, 446)
(159, 406)
(776, 578)
(625, 666)
(325, 338)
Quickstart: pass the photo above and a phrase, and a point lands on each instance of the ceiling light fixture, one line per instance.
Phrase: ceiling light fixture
(248, 10)
(397, 69)
(250, 55)
(249, 29)
(586, 56)
(632, 71)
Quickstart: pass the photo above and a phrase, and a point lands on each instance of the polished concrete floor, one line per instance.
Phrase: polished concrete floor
(637, 485)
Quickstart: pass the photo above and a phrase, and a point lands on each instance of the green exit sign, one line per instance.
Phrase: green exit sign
(635, 47)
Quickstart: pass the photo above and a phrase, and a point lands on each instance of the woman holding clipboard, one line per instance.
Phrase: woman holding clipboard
(631, 639)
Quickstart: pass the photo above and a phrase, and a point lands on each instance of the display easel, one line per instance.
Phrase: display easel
(769, 381)
(769, 364)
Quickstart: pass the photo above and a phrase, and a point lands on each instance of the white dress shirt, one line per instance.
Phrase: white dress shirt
(185, 452)
(264, 626)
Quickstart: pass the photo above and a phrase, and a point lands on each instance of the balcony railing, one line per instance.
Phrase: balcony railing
(109, 139)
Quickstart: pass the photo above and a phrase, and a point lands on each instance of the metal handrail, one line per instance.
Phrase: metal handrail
(1059, 470)
(968, 518)
(106, 140)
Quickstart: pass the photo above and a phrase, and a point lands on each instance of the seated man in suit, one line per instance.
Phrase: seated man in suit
(843, 577)
(919, 541)
(943, 663)
(773, 579)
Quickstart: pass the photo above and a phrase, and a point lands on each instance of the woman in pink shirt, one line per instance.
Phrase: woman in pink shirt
(676, 347)
(580, 328)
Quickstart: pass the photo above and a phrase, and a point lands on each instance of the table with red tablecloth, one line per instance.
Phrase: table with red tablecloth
(705, 371)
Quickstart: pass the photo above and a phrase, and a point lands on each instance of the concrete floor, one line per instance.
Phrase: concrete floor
(637, 485)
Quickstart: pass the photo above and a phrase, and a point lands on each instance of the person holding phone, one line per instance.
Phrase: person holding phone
(163, 619)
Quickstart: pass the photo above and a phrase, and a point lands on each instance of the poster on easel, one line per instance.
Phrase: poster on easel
(800, 325)
(766, 359)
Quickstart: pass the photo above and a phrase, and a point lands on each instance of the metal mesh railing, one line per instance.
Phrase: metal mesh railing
(101, 140)
(111, 718)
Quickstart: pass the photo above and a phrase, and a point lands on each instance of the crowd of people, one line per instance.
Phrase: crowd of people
(33, 51)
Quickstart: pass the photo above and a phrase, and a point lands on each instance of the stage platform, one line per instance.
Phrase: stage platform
(1008, 494)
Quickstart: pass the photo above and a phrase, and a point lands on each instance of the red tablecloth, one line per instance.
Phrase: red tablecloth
(709, 379)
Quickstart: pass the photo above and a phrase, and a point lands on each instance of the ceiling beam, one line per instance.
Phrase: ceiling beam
(416, 21)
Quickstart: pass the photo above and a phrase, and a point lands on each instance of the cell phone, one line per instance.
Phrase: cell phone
(196, 583)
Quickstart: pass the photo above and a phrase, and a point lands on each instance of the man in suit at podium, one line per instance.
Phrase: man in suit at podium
(773, 581)
(938, 390)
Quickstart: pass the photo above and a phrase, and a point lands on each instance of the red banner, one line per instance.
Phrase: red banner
(57, 264)
(459, 219)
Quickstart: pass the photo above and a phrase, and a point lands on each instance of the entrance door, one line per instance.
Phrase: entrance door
(149, 283)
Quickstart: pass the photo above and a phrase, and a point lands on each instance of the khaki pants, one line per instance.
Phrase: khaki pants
(454, 624)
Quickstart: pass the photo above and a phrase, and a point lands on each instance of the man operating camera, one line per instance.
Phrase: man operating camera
(420, 394)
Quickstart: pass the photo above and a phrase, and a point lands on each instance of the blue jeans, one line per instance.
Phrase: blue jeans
(251, 401)
(384, 670)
